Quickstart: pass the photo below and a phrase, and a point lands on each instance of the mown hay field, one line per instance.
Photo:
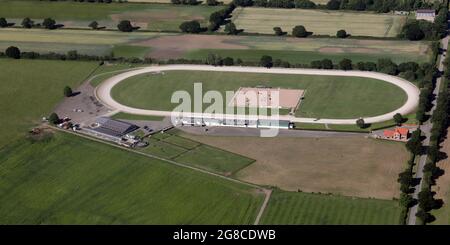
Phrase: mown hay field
(71, 180)
(314, 209)
(320, 22)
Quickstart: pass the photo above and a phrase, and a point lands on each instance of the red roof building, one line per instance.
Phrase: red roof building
(396, 134)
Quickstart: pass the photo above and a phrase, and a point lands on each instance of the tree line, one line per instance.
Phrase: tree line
(382, 6)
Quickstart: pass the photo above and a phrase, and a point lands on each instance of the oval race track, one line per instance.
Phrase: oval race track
(103, 91)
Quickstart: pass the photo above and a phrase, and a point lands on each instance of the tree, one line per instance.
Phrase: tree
(333, 4)
(125, 26)
(414, 144)
(405, 179)
(228, 61)
(49, 23)
(72, 55)
(398, 118)
(304, 4)
(212, 2)
(27, 23)
(424, 216)
(387, 66)
(413, 31)
(341, 34)
(53, 118)
(68, 91)
(360, 123)
(316, 64)
(93, 25)
(327, 64)
(230, 28)
(406, 200)
(345, 65)
(192, 26)
(426, 200)
(299, 31)
(3, 22)
(278, 31)
(13, 52)
(266, 61)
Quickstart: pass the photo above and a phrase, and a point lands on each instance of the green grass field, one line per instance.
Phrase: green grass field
(27, 93)
(346, 97)
(156, 17)
(320, 22)
(65, 187)
(314, 209)
(183, 150)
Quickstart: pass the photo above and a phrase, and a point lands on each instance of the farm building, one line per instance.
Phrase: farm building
(396, 134)
(113, 128)
(426, 14)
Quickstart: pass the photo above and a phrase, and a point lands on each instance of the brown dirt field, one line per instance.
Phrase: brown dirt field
(169, 46)
(351, 166)
(442, 186)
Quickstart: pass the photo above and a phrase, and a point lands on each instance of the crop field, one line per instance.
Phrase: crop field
(186, 151)
(320, 22)
(24, 83)
(64, 187)
(314, 209)
(350, 166)
(156, 17)
(295, 50)
(347, 97)
(248, 48)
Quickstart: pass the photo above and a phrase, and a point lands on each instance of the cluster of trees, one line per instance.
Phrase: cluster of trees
(409, 70)
(406, 178)
(421, 29)
(48, 23)
(300, 31)
(192, 26)
(440, 121)
(383, 6)
(91, 1)
(126, 26)
(196, 2)
(186, 2)
(4, 23)
(218, 18)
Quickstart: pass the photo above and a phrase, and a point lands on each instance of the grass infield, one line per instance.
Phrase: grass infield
(326, 96)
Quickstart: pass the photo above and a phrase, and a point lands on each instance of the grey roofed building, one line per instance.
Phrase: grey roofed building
(114, 127)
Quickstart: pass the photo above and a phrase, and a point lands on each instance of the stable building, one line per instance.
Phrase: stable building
(426, 14)
(113, 128)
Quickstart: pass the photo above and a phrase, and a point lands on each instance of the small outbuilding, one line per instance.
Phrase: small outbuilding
(426, 14)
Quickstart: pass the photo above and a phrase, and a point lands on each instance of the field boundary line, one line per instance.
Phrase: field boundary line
(268, 193)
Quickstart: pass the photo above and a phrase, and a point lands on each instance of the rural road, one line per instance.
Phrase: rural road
(426, 131)
(103, 91)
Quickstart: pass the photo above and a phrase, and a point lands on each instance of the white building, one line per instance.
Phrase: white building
(426, 14)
